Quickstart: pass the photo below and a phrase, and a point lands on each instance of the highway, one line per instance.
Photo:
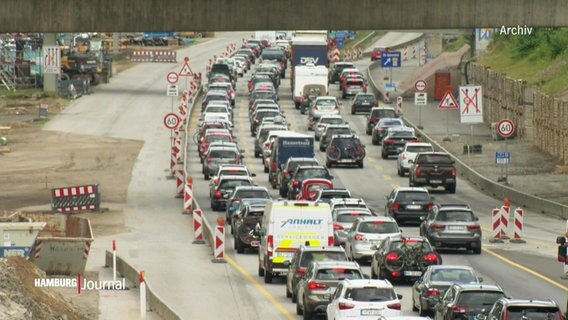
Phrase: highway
(133, 106)
(374, 182)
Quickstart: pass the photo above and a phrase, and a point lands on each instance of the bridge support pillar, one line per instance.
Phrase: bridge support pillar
(49, 80)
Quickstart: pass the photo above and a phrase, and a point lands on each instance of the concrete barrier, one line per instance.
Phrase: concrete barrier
(492, 188)
(154, 302)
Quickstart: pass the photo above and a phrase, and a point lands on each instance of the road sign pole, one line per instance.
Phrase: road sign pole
(390, 76)
(447, 138)
(506, 163)
(420, 117)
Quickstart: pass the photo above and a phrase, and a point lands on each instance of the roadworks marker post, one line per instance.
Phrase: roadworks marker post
(114, 260)
(219, 241)
(142, 289)
(505, 213)
(179, 181)
(518, 223)
(188, 195)
(496, 226)
(198, 227)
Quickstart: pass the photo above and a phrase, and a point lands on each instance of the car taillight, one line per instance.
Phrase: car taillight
(218, 194)
(345, 87)
(266, 144)
(215, 180)
(330, 241)
(312, 285)
(270, 245)
(295, 183)
(342, 79)
(473, 227)
(337, 227)
(208, 159)
(316, 107)
(301, 271)
(376, 103)
(389, 141)
(204, 145)
(437, 226)
(364, 87)
(345, 306)
(285, 172)
(274, 166)
(430, 257)
(359, 237)
(432, 292)
(394, 306)
(373, 119)
(255, 120)
(453, 172)
(417, 171)
(395, 206)
(392, 256)
(430, 206)
(378, 129)
(457, 309)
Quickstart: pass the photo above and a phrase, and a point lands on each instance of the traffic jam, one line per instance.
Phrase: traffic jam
(334, 254)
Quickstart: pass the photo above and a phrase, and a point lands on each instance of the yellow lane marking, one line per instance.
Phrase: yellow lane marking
(387, 177)
(259, 287)
(530, 271)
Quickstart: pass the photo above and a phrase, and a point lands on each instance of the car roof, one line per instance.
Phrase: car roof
(216, 148)
(410, 238)
(360, 283)
(478, 286)
(306, 248)
(450, 266)
(345, 136)
(251, 188)
(234, 167)
(377, 218)
(229, 177)
(453, 207)
(435, 153)
(412, 189)
(529, 302)
(347, 200)
(310, 166)
(384, 108)
(418, 144)
(331, 116)
(341, 211)
(331, 264)
(338, 126)
(292, 159)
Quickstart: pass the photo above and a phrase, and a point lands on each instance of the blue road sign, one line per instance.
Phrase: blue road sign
(390, 59)
(502, 157)
(339, 42)
(389, 86)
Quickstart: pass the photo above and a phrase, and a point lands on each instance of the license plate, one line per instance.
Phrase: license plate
(283, 254)
(413, 207)
(366, 103)
(371, 312)
(436, 181)
(413, 273)
(225, 196)
(456, 228)
(254, 243)
(345, 160)
(375, 241)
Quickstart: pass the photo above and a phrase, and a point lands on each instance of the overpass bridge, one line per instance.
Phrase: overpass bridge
(49, 16)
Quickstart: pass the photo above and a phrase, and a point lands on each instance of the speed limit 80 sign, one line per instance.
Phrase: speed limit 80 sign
(171, 121)
(505, 128)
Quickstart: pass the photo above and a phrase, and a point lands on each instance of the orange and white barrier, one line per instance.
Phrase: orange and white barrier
(142, 289)
(518, 223)
(219, 244)
(198, 227)
(188, 195)
(114, 260)
(414, 53)
(505, 216)
(405, 54)
(496, 225)
(179, 173)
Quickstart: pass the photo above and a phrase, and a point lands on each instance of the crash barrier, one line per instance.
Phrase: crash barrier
(153, 56)
(154, 302)
(198, 226)
(492, 188)
(78, 198)
(518, 223)
(74, 88)
(219, 254)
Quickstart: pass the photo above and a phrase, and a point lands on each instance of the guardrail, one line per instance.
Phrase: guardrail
(155, 303)
(495, 189)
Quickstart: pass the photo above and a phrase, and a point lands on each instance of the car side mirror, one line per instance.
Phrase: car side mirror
(560, 240)
(480, 279)
(399, 296)
(476, 219)
(253, 174)
(286, 264)
(257, 228)
(410, 161)
(422, 218)
(374, 247)
(366, 276)
(331, 178)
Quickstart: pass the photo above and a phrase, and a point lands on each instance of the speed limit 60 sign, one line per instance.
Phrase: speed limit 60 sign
(171, 121)
(505, 128)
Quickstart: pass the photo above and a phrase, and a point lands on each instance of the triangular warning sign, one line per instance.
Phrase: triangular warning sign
(185, 71)
(448, 102)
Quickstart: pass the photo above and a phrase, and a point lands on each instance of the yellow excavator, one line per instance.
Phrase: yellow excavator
(86, 61)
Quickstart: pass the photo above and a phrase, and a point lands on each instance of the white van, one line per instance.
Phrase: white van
(285, 226)
(309, 74)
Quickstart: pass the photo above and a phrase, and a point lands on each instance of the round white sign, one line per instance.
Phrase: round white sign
(171, 121)
(420, 85)
(505, 128)
(172, 77)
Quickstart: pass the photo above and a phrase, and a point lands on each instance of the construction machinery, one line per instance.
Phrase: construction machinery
(86, 60)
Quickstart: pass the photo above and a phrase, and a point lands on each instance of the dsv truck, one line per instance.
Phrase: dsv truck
(285, 226)
(308, 50)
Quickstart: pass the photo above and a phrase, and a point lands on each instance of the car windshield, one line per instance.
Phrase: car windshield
(350, 216)
(218, 138)
(365, 97)
(326, 103)
(312, 173)
(384, 113)
(436, 158)
(223, 154)
(331, 120)
(233, 183)
(368, 294)
(392, 123)
(267, 113)
(412, 196)
(533, 313)
(453, 275)
(336, 131)
(256, 212)
(248, 194)
(338, 273)
(234, 173)
(263, 95)
(334, 194)
(295, 164)
(410, 243)
(417, 149)
(378, 227)
(346, 143)
(216, 109)
(318, 256)
(479, 299)
(402, 134)
(465, 216)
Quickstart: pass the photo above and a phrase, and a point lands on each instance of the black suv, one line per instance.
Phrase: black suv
(377, 114)
(303, 258)
(467, 301)
(507, 308)
(345, 149)
(246, 227)
(331, 130)
(363, 102)
(336, 70)
(433, 169)
(302, 173)
(406, 204)
(289, 169)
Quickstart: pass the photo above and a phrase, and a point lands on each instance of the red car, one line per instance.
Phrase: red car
(210, 138)
(376, 53)
(311, 188)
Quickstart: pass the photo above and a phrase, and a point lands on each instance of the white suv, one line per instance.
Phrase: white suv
(362, 298)
(347, 203)
(408, 153)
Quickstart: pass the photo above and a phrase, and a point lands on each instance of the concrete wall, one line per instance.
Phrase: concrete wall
(213, 15)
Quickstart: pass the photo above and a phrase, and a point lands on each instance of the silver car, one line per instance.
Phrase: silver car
(343, 219)
(368, 232)
(408, 153)
(324, 105)
(320, 125)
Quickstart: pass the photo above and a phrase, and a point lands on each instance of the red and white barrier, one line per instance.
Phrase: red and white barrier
(505, 215)
(496, 225)
(405, 54)
(113, 260)
(360, 53)
(142, 289)
(37, 249)
(179, 173)
(518, 223)
(198, 227)
(188, 195)
(414, 53)
(219, 245)
(86, 250)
